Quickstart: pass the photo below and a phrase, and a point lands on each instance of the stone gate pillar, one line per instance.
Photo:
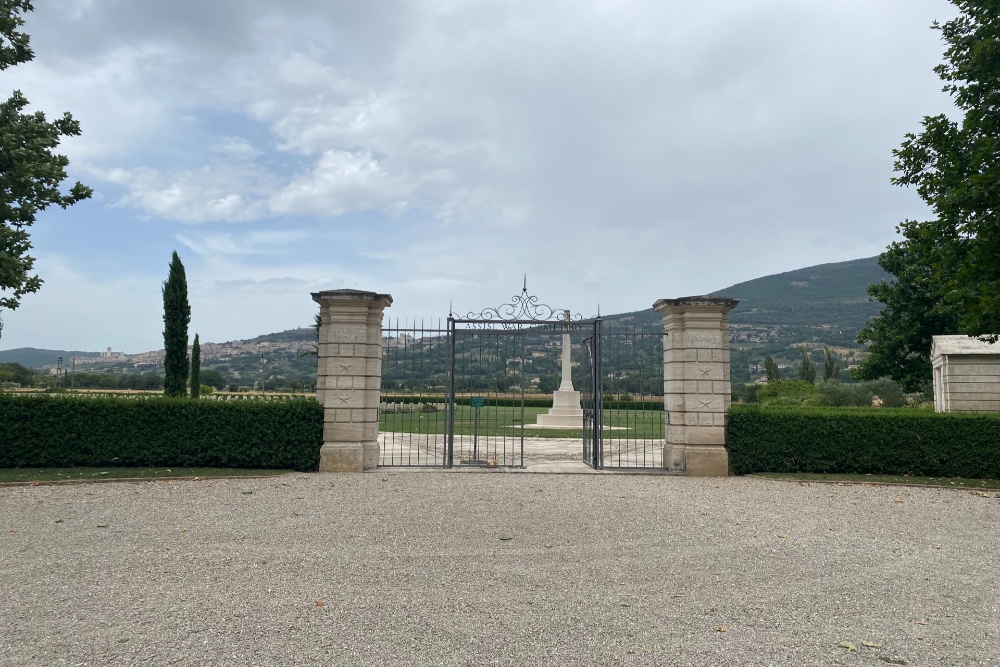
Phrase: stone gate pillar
(349, 376)
(696, 386)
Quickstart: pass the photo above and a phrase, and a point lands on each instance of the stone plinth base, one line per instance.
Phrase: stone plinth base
(565, 411)
(348, 456)
(697, 460)
(560, 421)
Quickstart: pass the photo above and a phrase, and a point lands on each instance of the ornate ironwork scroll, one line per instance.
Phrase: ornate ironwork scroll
(523, 309)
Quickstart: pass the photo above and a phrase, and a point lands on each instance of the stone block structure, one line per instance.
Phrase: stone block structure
(348, 378)
(966, 374)
(696, 384)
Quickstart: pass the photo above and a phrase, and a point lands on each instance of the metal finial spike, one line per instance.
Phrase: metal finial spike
(598, 308)
(525, 288)
(450, 310)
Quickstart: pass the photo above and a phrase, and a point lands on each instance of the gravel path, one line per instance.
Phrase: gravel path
(410, 569)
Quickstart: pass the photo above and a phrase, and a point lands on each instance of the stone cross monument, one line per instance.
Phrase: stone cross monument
(566, 411)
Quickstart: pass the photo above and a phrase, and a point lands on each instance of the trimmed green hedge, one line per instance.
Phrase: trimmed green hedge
(63, 432)
(882, 441)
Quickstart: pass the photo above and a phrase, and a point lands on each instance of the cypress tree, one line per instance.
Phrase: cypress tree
(807, 371)
(176, 316)
(771, 368)
(831, 369)
(195, 368)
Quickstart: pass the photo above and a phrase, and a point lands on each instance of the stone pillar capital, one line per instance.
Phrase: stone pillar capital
(695, 303)
(351, 296)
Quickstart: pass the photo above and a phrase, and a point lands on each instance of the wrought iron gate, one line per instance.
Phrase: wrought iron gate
(455, 393)
(493, 351)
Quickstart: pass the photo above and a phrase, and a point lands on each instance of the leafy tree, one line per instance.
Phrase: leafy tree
(30, 173)
(947, 272)
(195, 368)
(176, 316)
(772, 370)
(19, 374)
(831, 367)
(546, 384)
(807, 370)
(899, 339)
(213, 378)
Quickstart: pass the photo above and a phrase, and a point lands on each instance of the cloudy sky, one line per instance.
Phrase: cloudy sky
(615, 151)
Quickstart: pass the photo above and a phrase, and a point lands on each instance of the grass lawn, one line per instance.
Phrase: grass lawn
(64, 474)
(957, 482)
(495, 421)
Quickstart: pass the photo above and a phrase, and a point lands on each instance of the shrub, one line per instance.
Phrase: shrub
(833, 393)
(791, 391)
(883, 392)
(864, 441)
(64, 431)
(887, 392)
(745, 393)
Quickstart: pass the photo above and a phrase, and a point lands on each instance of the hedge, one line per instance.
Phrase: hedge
(864, 441)
(63, 432)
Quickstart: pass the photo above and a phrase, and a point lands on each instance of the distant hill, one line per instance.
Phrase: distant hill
(828, 302)
(31, 357)
(826, 294)
(821, 305)
(306, 334)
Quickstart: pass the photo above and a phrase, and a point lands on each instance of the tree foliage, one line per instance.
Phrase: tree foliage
(176, 317)
(947, 269)
(807, 369)
(900, 338)
(831, 366)
(955, 167)
(195, 368)
(772, 370)
(30, 173)
(213, 378)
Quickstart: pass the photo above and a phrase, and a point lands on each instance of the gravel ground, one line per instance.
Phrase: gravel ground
(410, 569)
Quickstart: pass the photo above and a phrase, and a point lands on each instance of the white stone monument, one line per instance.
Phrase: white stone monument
(566, 411)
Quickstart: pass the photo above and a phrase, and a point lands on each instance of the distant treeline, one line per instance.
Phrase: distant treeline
(17, 374)
(148, 381)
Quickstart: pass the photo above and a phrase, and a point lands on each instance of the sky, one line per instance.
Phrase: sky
(614, 152)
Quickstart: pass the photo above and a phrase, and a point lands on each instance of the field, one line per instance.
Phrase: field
(499, 421)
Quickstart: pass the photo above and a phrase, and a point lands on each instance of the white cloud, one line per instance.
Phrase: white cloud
(225, 192)
(341, 182)
(266, 242)
(615, 150)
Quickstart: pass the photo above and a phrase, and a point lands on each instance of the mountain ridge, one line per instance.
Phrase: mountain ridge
(826, 302)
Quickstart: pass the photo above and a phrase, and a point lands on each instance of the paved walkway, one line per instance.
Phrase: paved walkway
(395, 568)
(540, 454)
